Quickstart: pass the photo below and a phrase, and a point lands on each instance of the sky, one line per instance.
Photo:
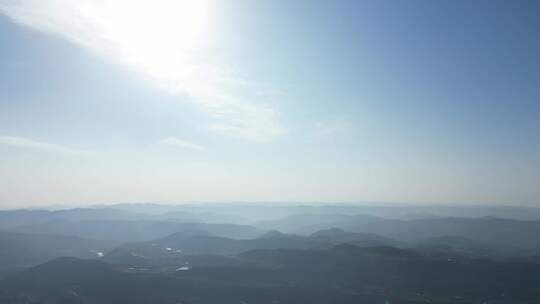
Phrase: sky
(431, 102)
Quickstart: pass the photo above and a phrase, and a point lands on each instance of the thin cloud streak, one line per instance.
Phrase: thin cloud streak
(165, 50)
(25, 143)
(180, 143)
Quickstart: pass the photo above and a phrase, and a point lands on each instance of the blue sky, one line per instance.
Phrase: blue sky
(314, 101)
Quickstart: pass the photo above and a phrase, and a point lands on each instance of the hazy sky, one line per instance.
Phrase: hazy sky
(327, 101)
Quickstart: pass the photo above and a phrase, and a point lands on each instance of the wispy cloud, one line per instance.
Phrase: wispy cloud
(163, 41)
(180, 143)
(25, 143)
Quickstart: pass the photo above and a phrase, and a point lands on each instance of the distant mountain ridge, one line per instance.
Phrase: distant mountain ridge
(486, 229)
(135, 230)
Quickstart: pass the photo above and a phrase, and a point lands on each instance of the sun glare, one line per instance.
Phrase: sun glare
(153, 33)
